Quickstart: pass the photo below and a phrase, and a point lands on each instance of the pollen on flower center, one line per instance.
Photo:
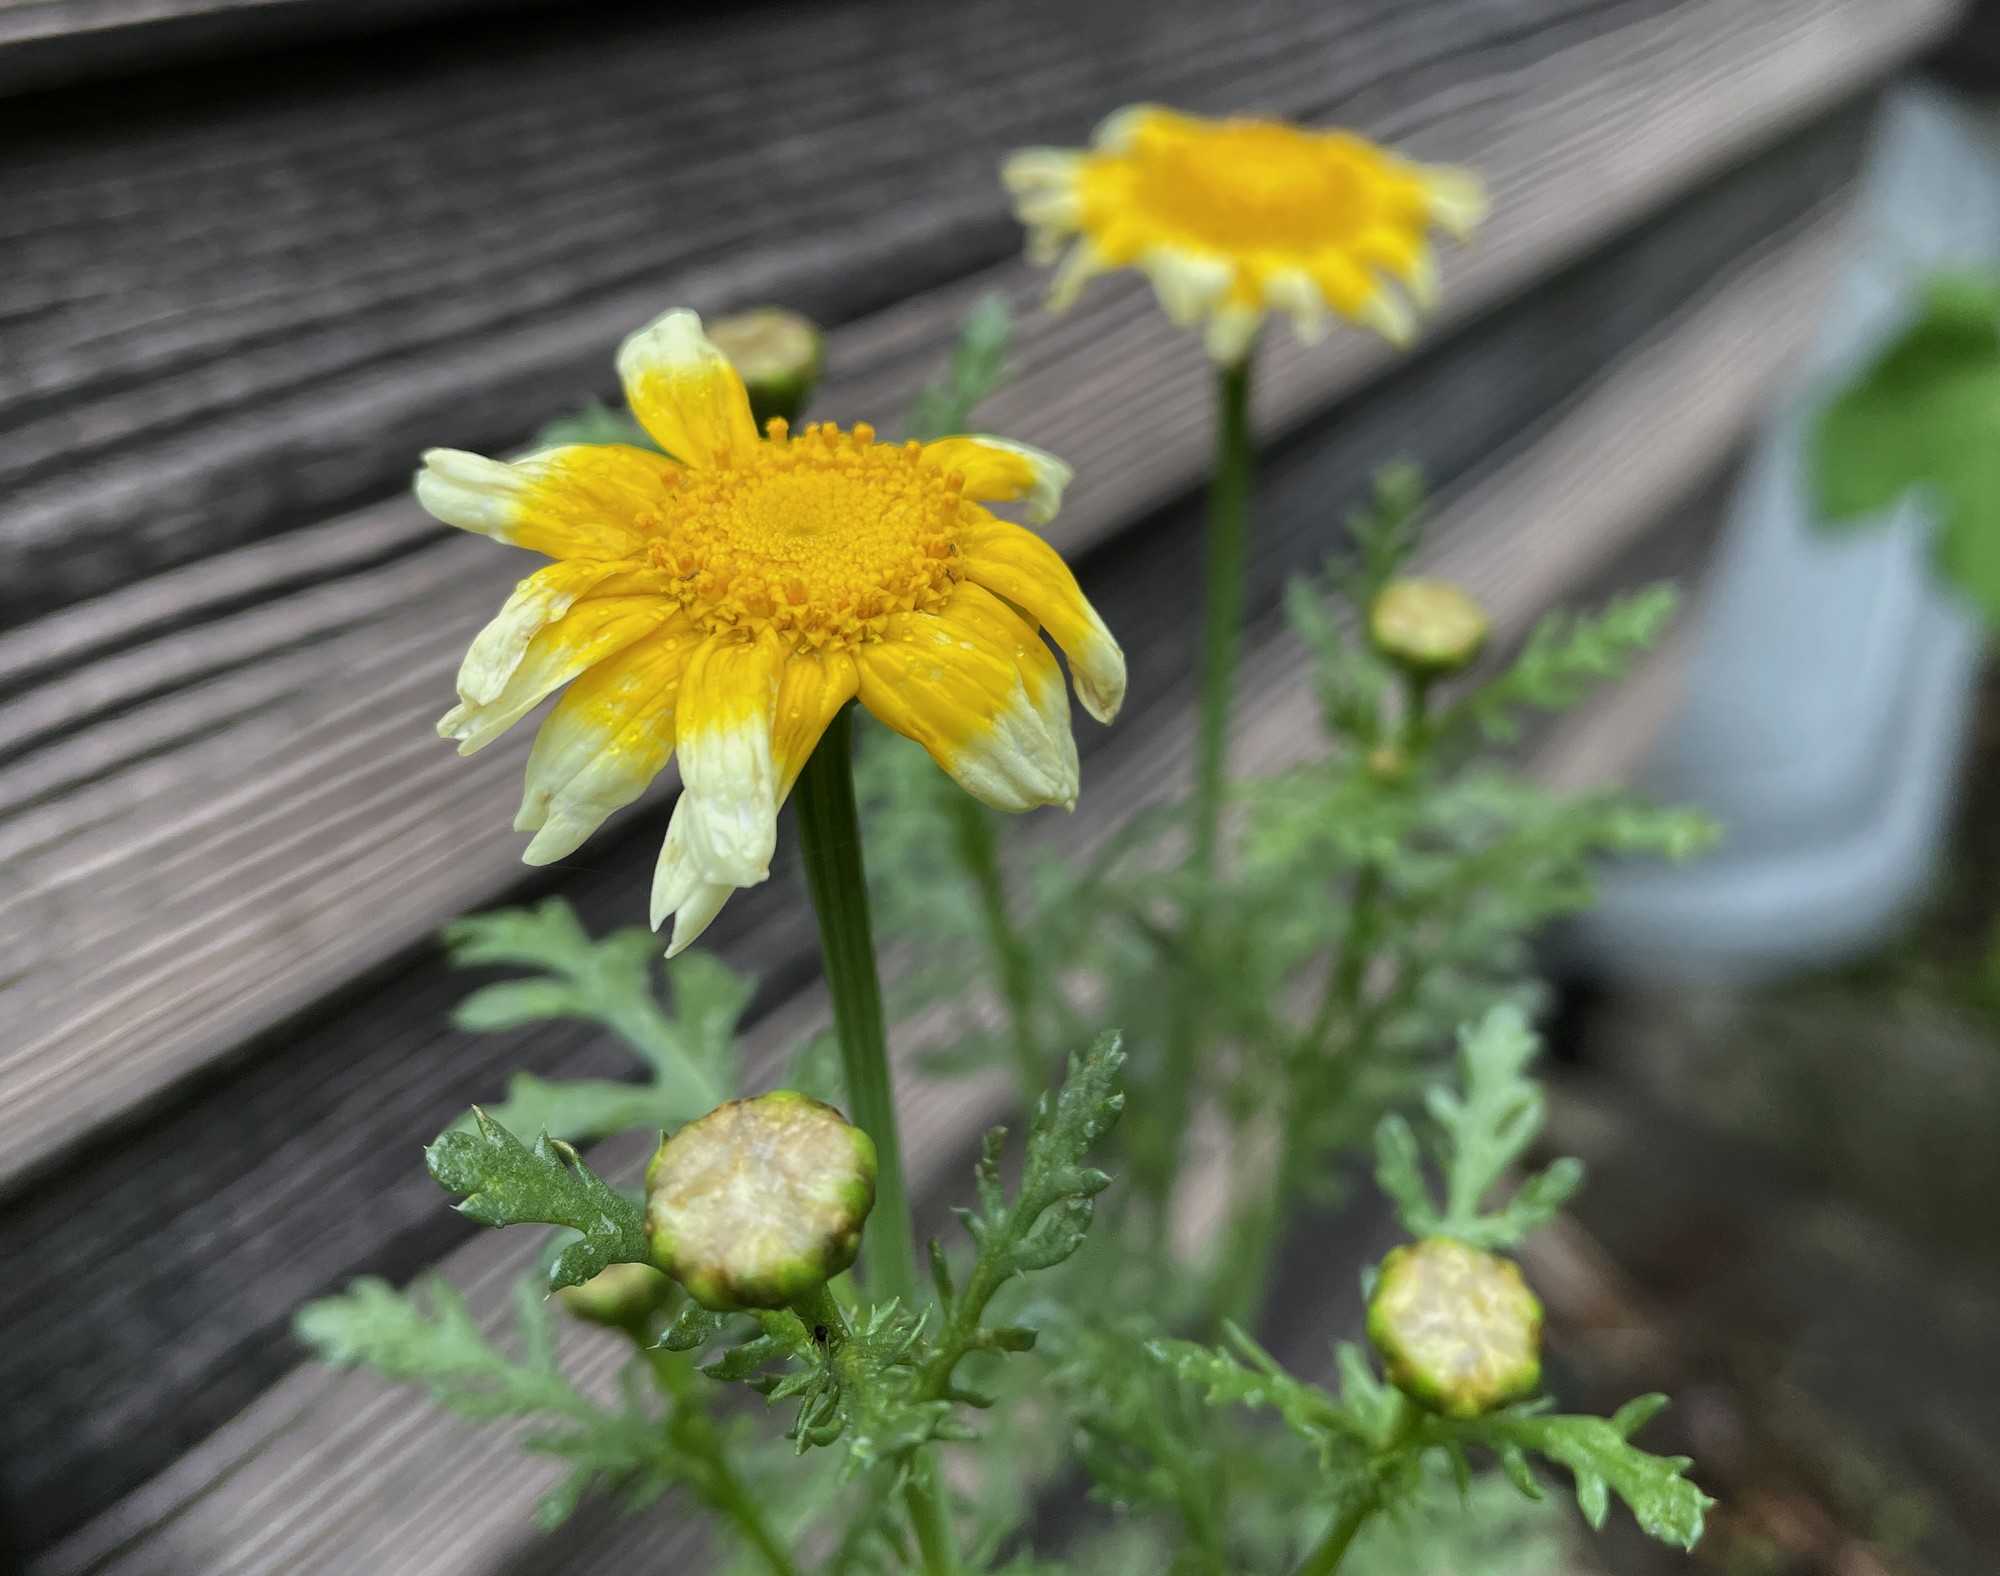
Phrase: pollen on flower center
(1238, 184)
(820, 535)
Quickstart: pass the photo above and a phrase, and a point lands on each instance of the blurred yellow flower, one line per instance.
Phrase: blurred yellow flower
(726, 603)
(1231, 218)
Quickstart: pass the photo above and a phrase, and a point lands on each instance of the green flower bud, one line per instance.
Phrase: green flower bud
(621, 1297)
(1427, 626)
(1386, 763)
(1457, 1328)
(760, 1202)
(778, 354)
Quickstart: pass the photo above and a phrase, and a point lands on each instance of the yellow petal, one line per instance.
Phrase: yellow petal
(590, 632)
(972, 686)
(684, 391)
(811, 690)
(725, 825)
(999, 471)
(1016, 564)
(538, 601)
(583, 500)
(604, 742)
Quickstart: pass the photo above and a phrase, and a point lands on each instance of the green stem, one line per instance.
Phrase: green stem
(1327, 1554)
(1222, 630)
(697, 1433)
(1222, 638)
(979, 852)
(830, 830)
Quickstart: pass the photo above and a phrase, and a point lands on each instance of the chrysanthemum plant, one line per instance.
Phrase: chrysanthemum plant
(1286, 957)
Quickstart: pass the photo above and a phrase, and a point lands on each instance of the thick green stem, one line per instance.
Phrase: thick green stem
(1222, 638)
(979, 852)
(696, 1432)
(830, 830)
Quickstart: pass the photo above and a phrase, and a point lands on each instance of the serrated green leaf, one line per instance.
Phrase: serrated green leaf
(1565, 656)
(690, 1051)
(1223, 1380)
(578, 1109)
(1924, 415)
(502, 1182)
(1655, 1489)
(1399, 1172)
(595, 422)
(978, 362)
(428, 1337)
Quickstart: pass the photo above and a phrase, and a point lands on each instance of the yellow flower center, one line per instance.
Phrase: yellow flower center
(1238, 186)
(820, 536)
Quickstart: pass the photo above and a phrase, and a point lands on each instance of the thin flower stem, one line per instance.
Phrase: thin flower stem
(1222, 637)
(979, 852)
(830, 830)
(696, 1433)
(1222, 632)
(1326, 1555)
(1242, 1284)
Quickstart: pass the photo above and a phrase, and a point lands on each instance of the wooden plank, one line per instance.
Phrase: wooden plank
(325, 1469)
(47, 44)
(226, 329)
(135, 949)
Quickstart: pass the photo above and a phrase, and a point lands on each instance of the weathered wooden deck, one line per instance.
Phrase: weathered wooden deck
(256, 256)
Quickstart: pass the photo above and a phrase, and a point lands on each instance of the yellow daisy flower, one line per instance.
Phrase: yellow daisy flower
(727, 603)
(1231, 218)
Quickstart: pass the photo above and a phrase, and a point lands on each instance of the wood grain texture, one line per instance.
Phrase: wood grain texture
(217, 328)
(1541, 512)
(214, 775)
(49, 44)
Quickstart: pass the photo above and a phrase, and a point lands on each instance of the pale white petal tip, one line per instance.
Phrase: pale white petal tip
(1390, 316)
(673, 339)
(1292, 291)
(561, 836)
(1100, 677)
(1231, 333)
(1458, 200)
(1049, 477)
(1077, 269)
(1031, 170)
(1118, 130)
(470, 491)
(1421, 280)
(696, 915)
(1189, 285)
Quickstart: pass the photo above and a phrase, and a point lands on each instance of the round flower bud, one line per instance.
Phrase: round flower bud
(1457, 1328)
(620, 1297)
(1387, 764)
(778, 355)
(760, 1202)
(1427, 626)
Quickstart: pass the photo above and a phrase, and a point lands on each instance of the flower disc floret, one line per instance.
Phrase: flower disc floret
(1233, 218)
(721, 602)
(818, 538)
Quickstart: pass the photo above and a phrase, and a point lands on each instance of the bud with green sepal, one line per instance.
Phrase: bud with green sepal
(1429, 628)
(1458, 1329)
(777, 353)
(761, 1202)
(622, 1297)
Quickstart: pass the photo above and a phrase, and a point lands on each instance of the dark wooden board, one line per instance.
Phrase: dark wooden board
(331, 1117)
